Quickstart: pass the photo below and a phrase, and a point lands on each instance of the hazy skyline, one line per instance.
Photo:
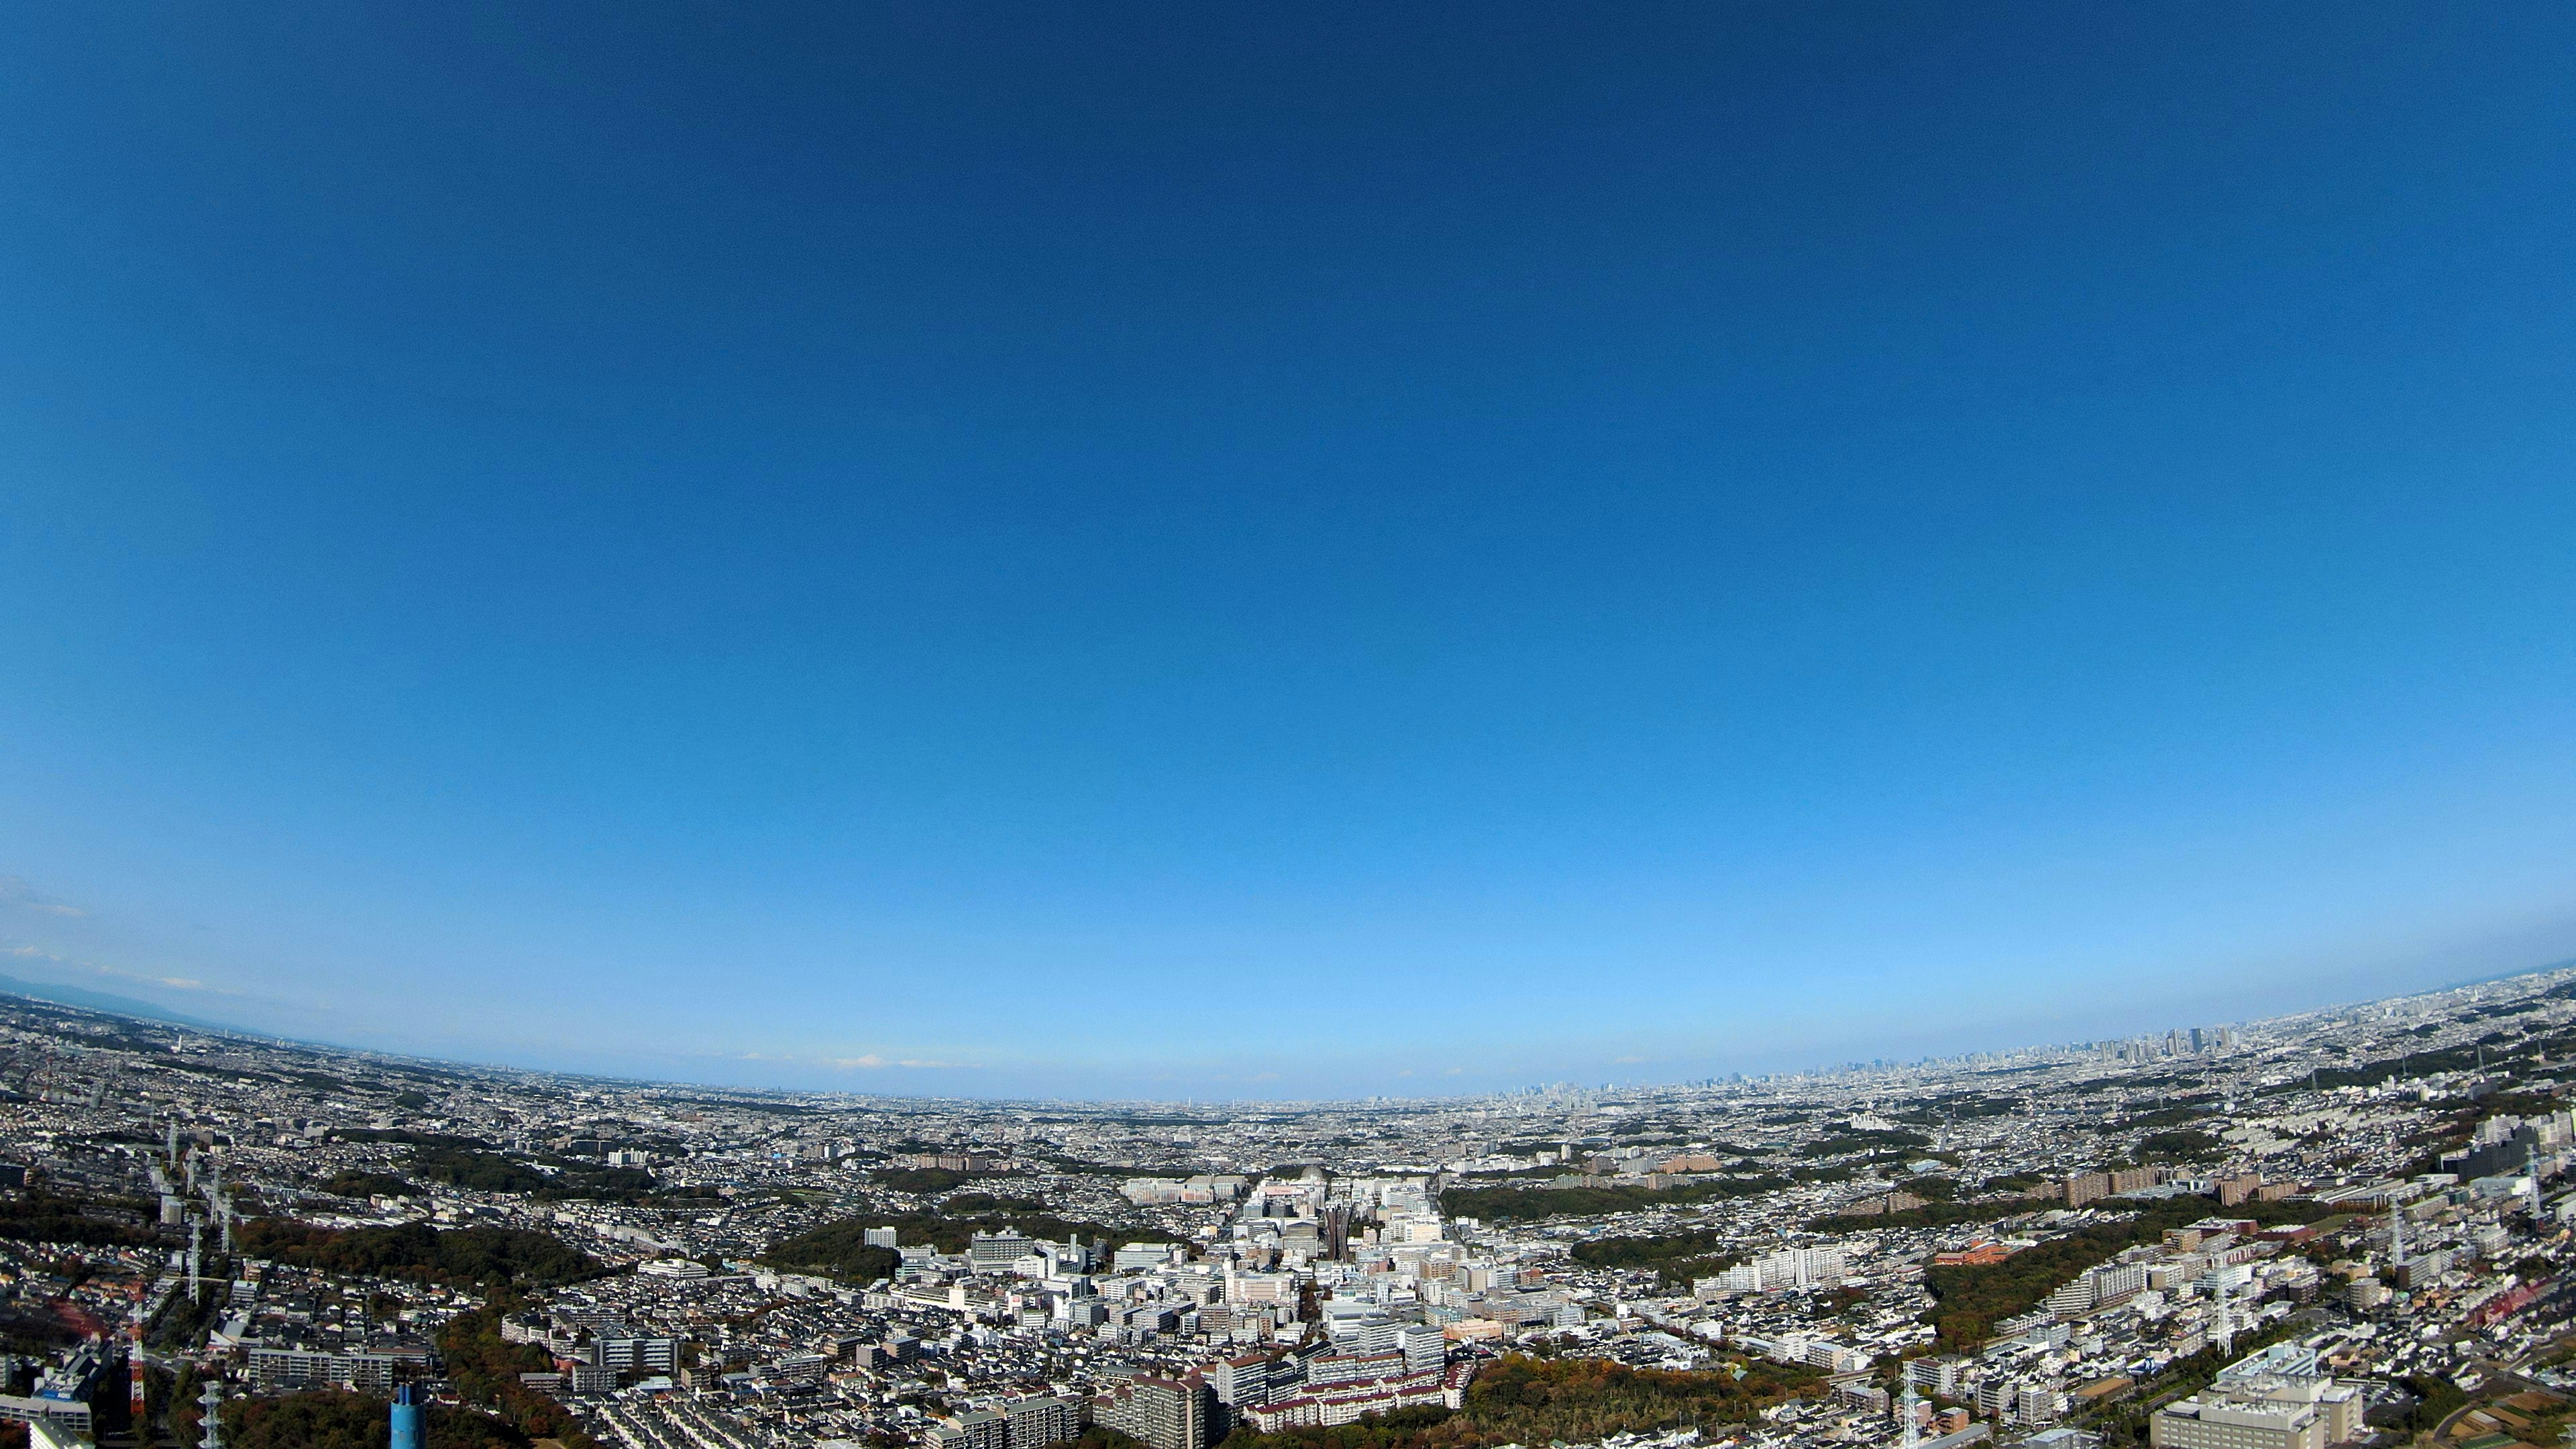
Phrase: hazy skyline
(1148, 552)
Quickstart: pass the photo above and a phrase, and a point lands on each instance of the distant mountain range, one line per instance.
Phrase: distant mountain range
(110, 1003)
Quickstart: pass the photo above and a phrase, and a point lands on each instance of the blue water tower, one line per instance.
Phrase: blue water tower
(406, 1418)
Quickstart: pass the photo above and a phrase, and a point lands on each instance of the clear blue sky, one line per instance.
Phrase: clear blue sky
(1282, 550)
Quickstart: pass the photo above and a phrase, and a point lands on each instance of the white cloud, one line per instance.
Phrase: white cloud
(14, 891)
(864, 1062)
(872, 1061)
(113, 973)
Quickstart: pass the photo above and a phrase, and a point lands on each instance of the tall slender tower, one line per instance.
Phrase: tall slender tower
(406, 1418)
(135, 1405)
(1905, 1410)
(212, 1401)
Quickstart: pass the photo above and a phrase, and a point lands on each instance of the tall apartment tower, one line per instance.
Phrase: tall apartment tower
(1165, 1413)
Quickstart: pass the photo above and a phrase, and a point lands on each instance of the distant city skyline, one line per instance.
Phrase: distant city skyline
(1151, 554)
(1333, 1082)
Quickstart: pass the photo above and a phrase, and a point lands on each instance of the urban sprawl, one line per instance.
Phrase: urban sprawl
(2342, 1227)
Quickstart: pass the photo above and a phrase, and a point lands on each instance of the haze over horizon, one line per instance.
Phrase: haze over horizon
(1143, 552)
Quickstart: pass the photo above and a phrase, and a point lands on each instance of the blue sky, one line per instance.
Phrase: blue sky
(1153, 551)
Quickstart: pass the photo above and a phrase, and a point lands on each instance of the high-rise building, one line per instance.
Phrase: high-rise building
(1242, 1380)
(2073, 1299)
(1165, 1413)
(2117, 1283)
(1034, 1423)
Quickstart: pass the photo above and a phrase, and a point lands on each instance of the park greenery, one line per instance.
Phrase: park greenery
(1520, 1399)
(1679, 1257)
(920, 1181)
(1844, 1143)
(485, 1369)
(351, 1182)
(406, 1137)
(1969, 1300)
(840, 1250)
(417, 1252)
(556, 1180)
(2184, 1142)
(37, 1216)
(475, 1171)
(1530, 1204)
(333, 1419)
(1930, 1215)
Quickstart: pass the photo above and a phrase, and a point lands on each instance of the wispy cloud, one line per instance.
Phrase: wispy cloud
(113, 973)
(866, 1062)
(16, 893)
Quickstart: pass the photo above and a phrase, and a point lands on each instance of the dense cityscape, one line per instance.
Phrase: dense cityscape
(1163, 726)
(2341, 1227)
